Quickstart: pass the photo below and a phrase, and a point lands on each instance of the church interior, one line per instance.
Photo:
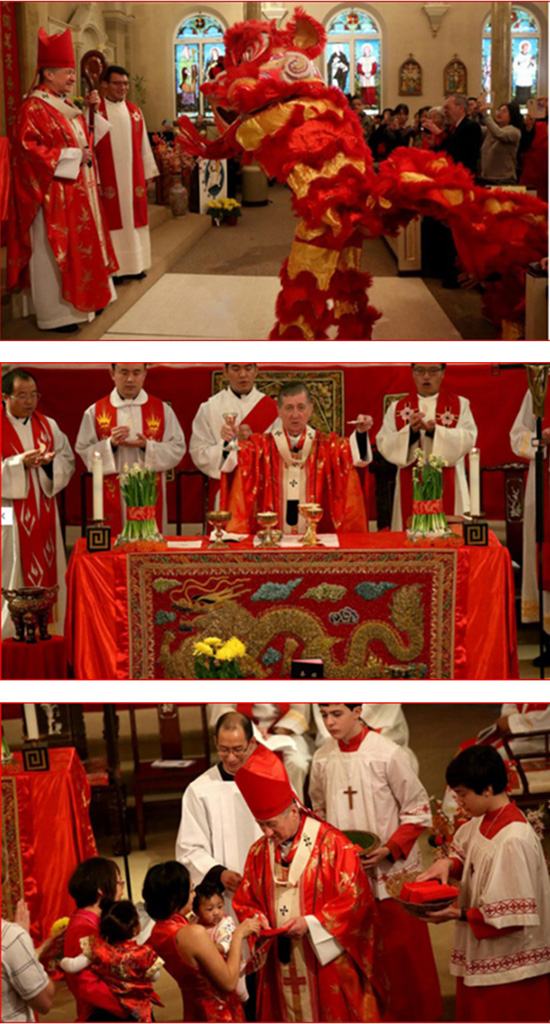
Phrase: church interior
(127, 735)
(204, 281)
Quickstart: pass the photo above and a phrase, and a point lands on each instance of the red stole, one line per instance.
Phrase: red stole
(246, 709)
(108, 184)
(447, 414)
(259, 419)
(152, 427)
(36, 525)
(546, 545)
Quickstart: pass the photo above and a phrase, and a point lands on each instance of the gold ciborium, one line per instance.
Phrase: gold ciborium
(268, 537)
(313, 513)
(218, 519)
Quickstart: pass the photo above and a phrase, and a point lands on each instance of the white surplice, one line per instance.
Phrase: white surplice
(297, 749)
(216, 828)
(157, 455)
(506, 878)
(16, 479)
(452, 444)
(387, 719)
(522, 434)
(132, 245)
(385, 793)
(206, 447)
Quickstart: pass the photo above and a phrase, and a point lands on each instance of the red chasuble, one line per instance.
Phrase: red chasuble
(259, 419)
(343, 989)
(331, 480)
(152, 427)
(36, 526)
(41, 133)
(108, 188)
(447, 415)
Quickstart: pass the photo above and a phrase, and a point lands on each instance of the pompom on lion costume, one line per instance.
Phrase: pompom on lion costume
(271, 103)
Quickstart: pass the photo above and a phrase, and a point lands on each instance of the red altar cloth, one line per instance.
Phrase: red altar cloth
(47, 831)
(42, 660)
(97, 627)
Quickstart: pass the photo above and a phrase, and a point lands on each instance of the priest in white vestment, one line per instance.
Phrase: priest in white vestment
(216, 828)
(522, 435)
(37, 463)
(282, 727)
(126, 167)
(228, 418)
(126, 427)
(387, 719)
(438, 422)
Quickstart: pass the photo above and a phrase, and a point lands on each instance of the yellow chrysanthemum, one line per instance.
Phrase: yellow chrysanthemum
(203, 648)
(214, 641)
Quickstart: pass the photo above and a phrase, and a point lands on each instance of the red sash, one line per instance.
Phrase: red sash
(36, 525)
(108, 185)
(246, 709)
(447, 414)
(152, 427)
(258, 419)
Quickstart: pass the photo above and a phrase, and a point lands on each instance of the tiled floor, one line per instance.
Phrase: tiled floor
(192, 306)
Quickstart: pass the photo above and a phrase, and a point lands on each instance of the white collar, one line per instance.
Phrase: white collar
(22, 420)
(120, 403)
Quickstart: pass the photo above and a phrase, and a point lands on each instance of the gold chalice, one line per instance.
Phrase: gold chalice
(312, 513)
(268, 537)
(218, 519)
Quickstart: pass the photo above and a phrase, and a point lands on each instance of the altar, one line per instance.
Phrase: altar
(374, 603)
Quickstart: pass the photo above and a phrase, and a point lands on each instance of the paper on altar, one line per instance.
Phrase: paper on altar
(295, 540)
(171, 764)
(185, 545)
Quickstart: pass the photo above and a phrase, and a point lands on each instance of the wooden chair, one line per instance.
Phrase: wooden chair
(533, 768)
(151, 779)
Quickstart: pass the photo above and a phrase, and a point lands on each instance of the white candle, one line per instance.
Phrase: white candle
(475, 464)
(31, 721)
(97, 477)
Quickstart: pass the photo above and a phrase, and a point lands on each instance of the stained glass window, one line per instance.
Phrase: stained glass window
(199, 46)
(353, 56)
(525, 57)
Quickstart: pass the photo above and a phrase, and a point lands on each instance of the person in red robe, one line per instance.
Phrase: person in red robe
(305, 881)
(58, 240)
(294, 464)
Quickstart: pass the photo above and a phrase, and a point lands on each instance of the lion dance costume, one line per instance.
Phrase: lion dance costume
(271, 103)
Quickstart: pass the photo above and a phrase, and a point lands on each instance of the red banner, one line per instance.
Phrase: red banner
(10, 65)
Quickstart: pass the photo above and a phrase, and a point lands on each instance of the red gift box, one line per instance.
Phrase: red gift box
(427, 892)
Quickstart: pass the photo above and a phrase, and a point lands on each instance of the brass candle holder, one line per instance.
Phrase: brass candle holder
(312, 513)
(218, 520)
(268, 536)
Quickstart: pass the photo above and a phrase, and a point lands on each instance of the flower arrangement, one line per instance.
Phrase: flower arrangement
(223, 211)
(139, 487)
(215, 659)
(428, 518)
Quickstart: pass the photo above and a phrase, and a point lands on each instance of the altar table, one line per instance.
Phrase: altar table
(376, 602)
(47, 832)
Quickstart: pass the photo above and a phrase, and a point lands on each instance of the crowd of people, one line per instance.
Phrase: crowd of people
(272, 910)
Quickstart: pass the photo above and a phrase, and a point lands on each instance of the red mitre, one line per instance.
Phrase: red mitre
(264, 784)
(55, 51)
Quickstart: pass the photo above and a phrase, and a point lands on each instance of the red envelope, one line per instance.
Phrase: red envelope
(427, 892)
(271, 933)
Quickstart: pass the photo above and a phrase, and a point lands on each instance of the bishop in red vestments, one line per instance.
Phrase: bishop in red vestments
(305, 880)
(58, 241)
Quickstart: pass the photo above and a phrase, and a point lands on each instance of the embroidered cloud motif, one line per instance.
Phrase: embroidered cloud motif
(325, 592)
(275, 591)
(370, 591)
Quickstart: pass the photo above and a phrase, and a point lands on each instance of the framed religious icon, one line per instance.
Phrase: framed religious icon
(410, 78)
(455, 77)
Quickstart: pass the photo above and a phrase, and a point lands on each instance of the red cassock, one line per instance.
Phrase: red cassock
(331, 480)
(85, 259)
(334, 889)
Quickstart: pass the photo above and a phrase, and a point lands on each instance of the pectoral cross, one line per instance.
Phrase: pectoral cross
(294, 982)
(350, 793)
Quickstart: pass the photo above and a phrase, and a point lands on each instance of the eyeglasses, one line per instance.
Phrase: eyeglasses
(35, 395)
(232, 750)
(431, 371)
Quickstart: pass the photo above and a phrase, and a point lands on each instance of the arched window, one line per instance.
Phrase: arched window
(353, 55)
(526, 40)
(199, 45)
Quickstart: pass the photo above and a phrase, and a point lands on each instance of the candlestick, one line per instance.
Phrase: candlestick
(97, 477)
(31, 721)
(475, 463)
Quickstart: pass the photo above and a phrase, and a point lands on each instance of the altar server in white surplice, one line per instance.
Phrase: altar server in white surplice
(126, 427)
(37, 463)
(361, 781)
(126, 166)
(522, 435)
(438, 422)
(281, 727)
(216, 828)
(387, 719)
(213, 438)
